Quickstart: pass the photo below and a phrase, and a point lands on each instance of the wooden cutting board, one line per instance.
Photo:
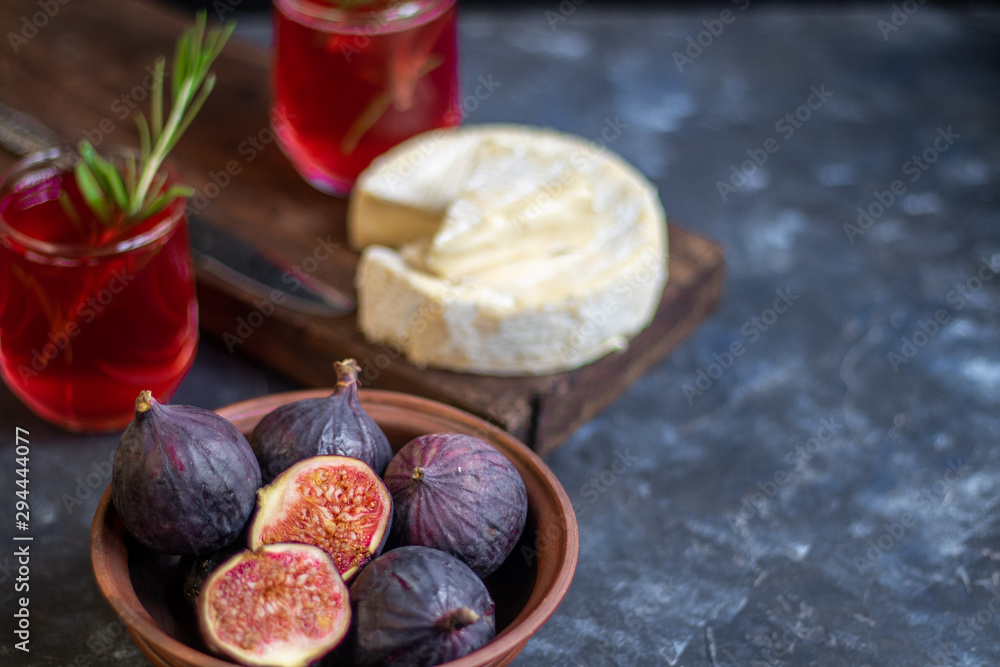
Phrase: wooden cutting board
(83, 69)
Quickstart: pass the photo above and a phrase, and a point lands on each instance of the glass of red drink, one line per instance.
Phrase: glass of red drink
(89, 315)
(354, 78)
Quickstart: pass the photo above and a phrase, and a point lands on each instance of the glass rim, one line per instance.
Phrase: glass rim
(14, 174)
(312, 9)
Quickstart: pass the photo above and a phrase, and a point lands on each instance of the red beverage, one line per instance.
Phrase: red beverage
(350, 84)
(90, 316)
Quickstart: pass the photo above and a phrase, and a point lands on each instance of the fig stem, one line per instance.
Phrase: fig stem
(456, 619)
(418, 474)
(144, 401)
(347, 372)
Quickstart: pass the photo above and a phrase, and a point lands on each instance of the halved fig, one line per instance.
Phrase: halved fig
(337, 503)
(283, 605)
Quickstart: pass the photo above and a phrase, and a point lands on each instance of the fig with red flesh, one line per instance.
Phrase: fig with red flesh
(337, 503)
(333, 425)
(417, 607)
(184, 479)
(460, 494)
(283, 605)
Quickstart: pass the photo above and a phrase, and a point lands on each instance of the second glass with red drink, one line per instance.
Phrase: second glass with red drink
(353, 78)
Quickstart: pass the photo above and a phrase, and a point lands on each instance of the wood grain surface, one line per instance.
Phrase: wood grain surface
(82, 71)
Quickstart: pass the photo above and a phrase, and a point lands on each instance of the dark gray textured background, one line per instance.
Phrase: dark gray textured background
(814, 504)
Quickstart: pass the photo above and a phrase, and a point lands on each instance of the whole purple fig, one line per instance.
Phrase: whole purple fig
(460, 494)
(418, 607)
(334, 425)
(184, 479)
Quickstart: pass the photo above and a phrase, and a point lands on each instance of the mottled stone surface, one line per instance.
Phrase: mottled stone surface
(827, 495)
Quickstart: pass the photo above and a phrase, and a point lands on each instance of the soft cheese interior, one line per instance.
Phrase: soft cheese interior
(506, 250)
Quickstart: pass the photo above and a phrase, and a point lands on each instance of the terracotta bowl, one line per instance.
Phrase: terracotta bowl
(144, 587)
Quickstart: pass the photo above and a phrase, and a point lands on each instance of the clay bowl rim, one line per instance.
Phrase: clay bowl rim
(109, 551)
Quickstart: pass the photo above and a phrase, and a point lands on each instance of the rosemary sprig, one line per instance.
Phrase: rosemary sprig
(120, 200)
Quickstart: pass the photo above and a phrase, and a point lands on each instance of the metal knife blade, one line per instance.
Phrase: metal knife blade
(228, 258)
(240, 265)
(22, 134)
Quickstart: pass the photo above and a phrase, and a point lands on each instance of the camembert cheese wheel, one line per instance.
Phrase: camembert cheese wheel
(505, 250)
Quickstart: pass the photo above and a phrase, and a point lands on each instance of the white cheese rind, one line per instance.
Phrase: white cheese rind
(535, 312)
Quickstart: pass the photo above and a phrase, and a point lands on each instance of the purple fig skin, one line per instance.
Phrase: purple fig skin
(459, 494)
(197, 568)
(335, 425)
(184, 479)
(417, 607)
